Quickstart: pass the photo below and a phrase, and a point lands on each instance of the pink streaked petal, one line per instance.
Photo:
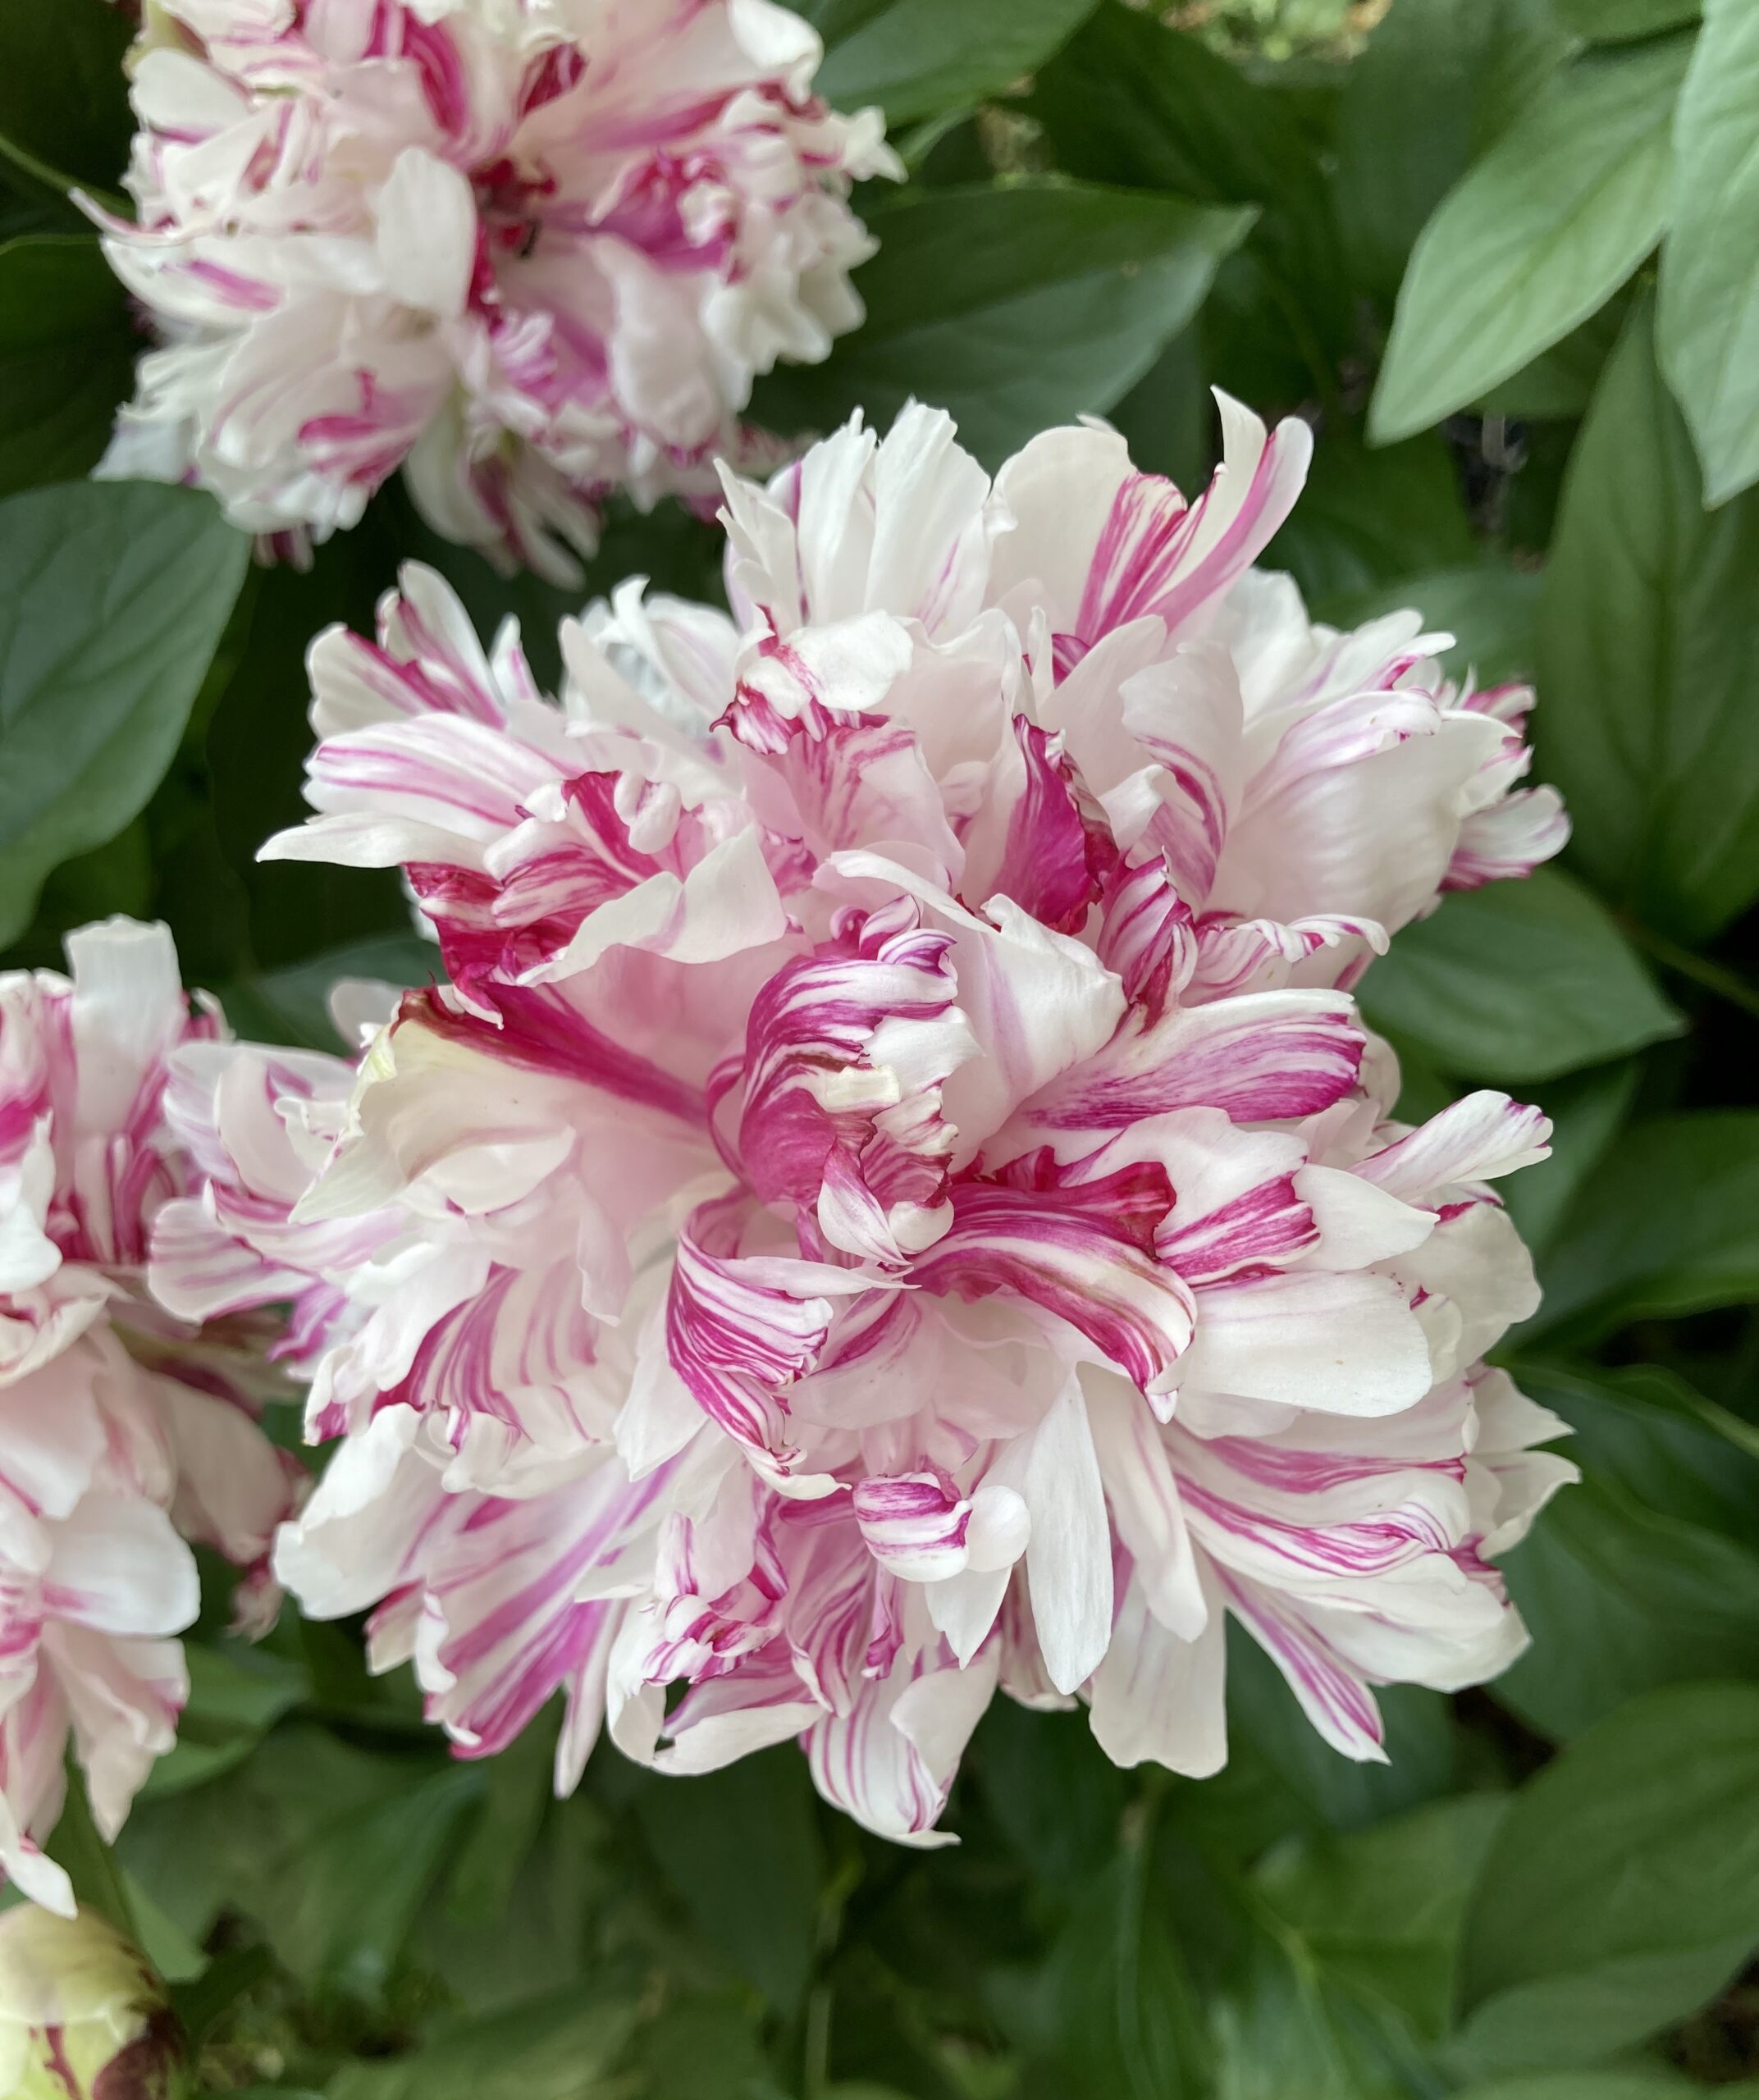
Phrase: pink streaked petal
(741, 1330)
(1334, 1698)
(1081, 1254)
(847, 1053)
(1508, 840)
(1038, 1002)
(1240, 956)
(1039, 837)
(436, 788)
(915, 1525)
(1478, 1138)
(889, 1761)
(1266, 1058)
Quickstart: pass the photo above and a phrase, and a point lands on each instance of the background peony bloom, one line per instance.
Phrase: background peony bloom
(122, 1433)
(533, 251)
(893, 1200)
(82, 2015)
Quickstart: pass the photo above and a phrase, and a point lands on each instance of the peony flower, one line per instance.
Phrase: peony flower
(894, 1199)
(123, 1433)
(82, 2015)
(531, 251)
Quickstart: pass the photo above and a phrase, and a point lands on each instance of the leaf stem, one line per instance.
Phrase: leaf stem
(1712, 976)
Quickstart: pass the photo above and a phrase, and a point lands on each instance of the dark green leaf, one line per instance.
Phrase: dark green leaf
(1709, 317)
(1587, 1112)
(1116, 2000)
(702, 2048)
(1324, 1789)
(202, 2003)
(1616, 21)
(1649, 630)
(742, 1850)
(358, 1878)
(1645, 1574)
(1656, 2085)
(1015, 308)
(1367, 519)
(1540, 233)
(292, 1005)
(1283, 2029)
(67, 358)
(1057, 1796)
(1133, 102)
(917, 58)
(1489, 610)
(112, 598)
(1561, 381)
(1518, 981)
(1622, 1890)
(1668, 1224)
(1439, 80)
(78, 1848)
(561, 2047)
(64, 115)
(236, 1695)
(1379, 1912)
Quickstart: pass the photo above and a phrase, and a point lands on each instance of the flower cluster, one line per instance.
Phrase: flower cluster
(531, 251)
(894, 1199)
(124, 1432)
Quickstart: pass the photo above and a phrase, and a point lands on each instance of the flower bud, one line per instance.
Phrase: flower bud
(82, 2017)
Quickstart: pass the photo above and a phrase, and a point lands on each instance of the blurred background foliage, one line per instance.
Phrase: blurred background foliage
(1504, 254)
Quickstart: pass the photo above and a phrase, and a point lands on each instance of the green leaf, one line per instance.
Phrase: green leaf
(1014, 307)
(1648, 632)
(77, 1847)
(1327, 1790)
(67, 358)
(1134, 103)
(1439, 80)
(918, 58)
(1668, 1224)
(1518, 981)
(1540, 233)
(1656, 2084)
(1645, 1573)
(237, 1693)
(1617, 21)
(64, 114)
(1622, 1890)
(701, 2047)
(1380, 1911)
(292, 1005)
(1281, 2028)
(1116, 1997)
(112, 598)
(741, 1849)
(357, 1882)
(1588, 1111)
(560, 2048)
(1709, 313)
(1367, 519)
(1561, 381)
(1488, 609)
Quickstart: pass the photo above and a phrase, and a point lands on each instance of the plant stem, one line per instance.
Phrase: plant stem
(1712, 976)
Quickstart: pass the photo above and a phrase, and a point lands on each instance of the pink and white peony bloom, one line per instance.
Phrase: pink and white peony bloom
(531, 251)
(893, 1200)
(123, 1433)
